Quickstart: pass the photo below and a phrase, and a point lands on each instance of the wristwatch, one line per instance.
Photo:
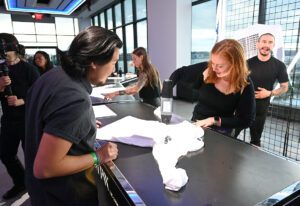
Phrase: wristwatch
(216, 120)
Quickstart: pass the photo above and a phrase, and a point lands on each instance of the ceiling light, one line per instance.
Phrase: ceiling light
(12, 5)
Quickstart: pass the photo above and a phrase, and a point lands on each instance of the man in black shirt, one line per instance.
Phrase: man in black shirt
(18, 79)
(265, 70)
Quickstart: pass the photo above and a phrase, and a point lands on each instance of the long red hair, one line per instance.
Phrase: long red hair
(233, 52)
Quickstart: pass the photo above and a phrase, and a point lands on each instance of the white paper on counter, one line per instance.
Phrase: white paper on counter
(103, 111)
(99, 91)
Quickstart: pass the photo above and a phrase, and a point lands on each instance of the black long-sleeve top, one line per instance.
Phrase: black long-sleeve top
(22, 76)
(236, 110)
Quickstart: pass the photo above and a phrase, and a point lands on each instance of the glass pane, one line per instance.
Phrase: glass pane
(5, 22)
(141, 10)
(118, 15)
(128, 11)
(142, 34)
(109, 19)
(63, 42)
(102, 20)
(76, 26)
(203, 31)
(130, 47)
(45, 28)
(26, 38)
(121, 60)
(19, 27)
(38, 44)
(46, 38)
(64, 26)
(96, 22)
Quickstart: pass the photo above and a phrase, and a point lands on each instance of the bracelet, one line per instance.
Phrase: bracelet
(216, 121)
(95, 158)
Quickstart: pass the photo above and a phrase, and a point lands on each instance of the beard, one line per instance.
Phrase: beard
(265, 51)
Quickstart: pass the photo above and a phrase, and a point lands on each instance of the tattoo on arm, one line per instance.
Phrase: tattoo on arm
(281, 90)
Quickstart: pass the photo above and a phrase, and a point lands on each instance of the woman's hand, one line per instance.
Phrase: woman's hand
(205, 122)
(108, 152)
(109, 96)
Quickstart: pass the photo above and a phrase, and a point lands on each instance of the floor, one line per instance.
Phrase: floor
(184, 109)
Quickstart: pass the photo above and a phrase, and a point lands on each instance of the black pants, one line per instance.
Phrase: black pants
(12, 132)
(257, 127)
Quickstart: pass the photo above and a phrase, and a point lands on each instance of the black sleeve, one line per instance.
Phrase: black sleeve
(176, 75)
(245, 110)
(32, 76)
(282, 73)
(68, 116)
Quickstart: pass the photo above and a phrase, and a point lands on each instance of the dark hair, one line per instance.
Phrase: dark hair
(22, 50)
(94, 44)
(48, 65)
(265, 34)
(8, 42)
(147, 67)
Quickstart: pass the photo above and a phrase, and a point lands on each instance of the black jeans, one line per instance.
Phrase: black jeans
(257, 127)
(12, 132)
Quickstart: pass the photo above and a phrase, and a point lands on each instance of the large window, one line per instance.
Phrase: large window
(128, 19)
(203, 30)
(281, 132)
(59, 34)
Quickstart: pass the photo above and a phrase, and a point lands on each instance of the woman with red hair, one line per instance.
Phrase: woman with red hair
(226, 98)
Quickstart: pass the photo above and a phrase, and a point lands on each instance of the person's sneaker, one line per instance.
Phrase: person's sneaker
(14, 192)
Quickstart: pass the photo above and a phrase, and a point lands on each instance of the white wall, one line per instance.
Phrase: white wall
(169, 34)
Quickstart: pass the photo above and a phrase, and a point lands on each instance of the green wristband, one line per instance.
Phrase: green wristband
(96, 159)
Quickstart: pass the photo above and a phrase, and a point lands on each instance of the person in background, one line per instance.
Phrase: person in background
(148, 85)
(14, 85)
(226, 95)
(60, 153)
(42, 61)
(265, 70)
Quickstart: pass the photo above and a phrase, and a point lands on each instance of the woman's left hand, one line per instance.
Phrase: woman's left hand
(205, 122)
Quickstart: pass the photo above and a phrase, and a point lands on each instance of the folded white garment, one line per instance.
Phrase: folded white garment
(175, 179)
(169, 143)
(182, 138)
(133, 131)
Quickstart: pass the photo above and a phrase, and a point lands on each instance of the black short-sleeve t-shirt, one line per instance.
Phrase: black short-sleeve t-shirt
(264, 74)
(61, 106)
